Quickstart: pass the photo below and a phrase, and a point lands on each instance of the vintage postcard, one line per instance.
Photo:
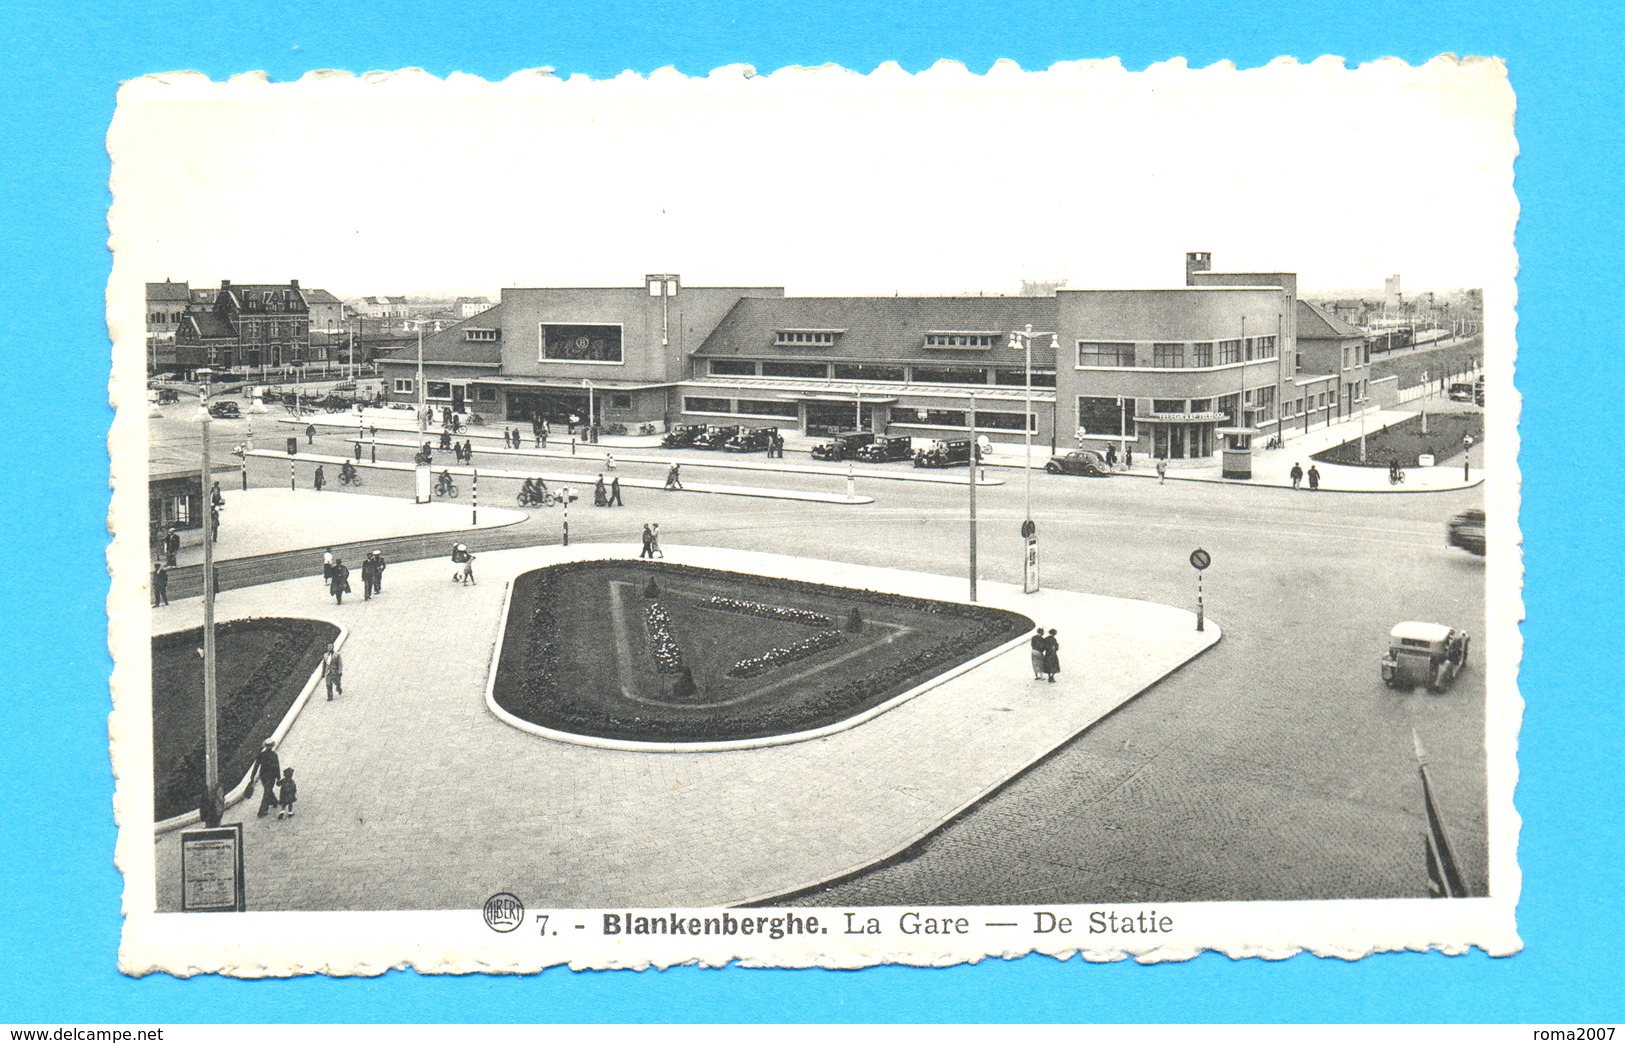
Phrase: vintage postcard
(814, 518)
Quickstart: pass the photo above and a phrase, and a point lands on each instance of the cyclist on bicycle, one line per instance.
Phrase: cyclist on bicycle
(347, 473)
(1395, 475)
(443, 486)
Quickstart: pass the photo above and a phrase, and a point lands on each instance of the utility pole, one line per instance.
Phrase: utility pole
(211, 711)
(974, 461)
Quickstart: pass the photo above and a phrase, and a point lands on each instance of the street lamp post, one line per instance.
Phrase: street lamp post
(1022, 340)
(423, 405)
(972, 486)
(211, 804)
(591, 423)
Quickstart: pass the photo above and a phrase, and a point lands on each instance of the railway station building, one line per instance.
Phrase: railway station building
(1164, 371)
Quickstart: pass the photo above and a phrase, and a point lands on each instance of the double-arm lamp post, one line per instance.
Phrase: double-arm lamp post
(1022, 340)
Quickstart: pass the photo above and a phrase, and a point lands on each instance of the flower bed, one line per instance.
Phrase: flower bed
(668, 654)
(774, 658)
(562, 662)
(757, 608)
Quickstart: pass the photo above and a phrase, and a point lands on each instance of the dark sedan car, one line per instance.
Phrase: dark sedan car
(882, 450)
(681, 435)
(1078, 461)
(1466, 530)
(750, 439)
(225, 411)
(844, 446)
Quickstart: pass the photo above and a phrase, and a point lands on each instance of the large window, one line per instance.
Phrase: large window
(1106, 416)
(732, 368)
(571, 342)
(706, 405)
(1266, 347)
(769, 407)
(948, 375)
(860, 371)
(437, 389)
(1229, 352)
(1168, 356)
(1003, 421)
(814, 370)
(1091, 353)
(1167, 405)
(404, 386)
(1042, 378)
(937, 417)
(1202, 354)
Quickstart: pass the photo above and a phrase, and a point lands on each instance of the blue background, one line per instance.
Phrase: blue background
(60, 65)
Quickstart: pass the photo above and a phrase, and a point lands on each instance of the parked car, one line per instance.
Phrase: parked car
(750, 439)
(1478, 391)
(1461, 393)
(944, 453)
(681, 435)
(1424, 653)
(225, 411)
(1466, 530)
(882, 450)
(1078, 461)
(844, 446)
(715, 437)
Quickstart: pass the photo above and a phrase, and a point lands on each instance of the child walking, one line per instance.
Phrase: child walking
(287, 792)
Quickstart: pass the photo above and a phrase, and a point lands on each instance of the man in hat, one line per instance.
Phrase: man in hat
(267, 770)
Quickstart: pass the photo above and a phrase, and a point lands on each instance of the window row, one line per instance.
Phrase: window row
(985, 419)
(967, 341)
(743, 407)
(973, 375)
(482, 335)
(1175, 354)
(806, 338)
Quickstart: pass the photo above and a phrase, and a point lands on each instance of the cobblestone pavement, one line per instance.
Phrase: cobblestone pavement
(413, 796)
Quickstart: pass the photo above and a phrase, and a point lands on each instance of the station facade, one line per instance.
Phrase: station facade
(1163, 371)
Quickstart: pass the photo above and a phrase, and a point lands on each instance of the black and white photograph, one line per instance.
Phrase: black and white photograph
(808, 517)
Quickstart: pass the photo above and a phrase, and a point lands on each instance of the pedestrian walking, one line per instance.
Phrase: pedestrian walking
(378, 571)
(372, 430)
(674, 479)
(609, 461)
(648, 550)
(1162, 471)
(172, 546)
(267, 771)
(327, 565)
(333, 671)
(160, 584)
(339, 583)
(1297, 475)
(1111, 457)
(1038, 644)
(445, 438)
(310, 434)
(369, 577)
(468, 451)
(1128, 457)
(654, 542)
(615, 492)
(460, 556)
(1314, 478)
(214, 524)
(536, 436)
(358, 450)
(287, 793)
(1052, 656)
(600, 493)
(216, 497)
(320, 478)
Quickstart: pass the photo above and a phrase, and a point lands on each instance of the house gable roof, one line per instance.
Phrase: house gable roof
(1316, 323)
(175, 292)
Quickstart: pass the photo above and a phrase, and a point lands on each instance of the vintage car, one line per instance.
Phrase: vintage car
(681, 435)
(882, 450)
(944, 453)
(1078, 461)
(1461, 392)
(1466, 530)
(715, 437)
(225, 410)
(750, 439)
(844, 446)
(1429, 654)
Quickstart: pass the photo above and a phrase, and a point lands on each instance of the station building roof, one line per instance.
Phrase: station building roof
(879, 329)
(1316, 323)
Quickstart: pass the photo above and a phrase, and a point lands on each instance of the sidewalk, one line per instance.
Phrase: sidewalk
(582, 482)
(414, 796)
(268, 521)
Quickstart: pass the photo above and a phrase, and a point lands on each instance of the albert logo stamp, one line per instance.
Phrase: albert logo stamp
(504, 912)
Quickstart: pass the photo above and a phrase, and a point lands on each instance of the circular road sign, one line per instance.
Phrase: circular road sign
(1200, 559)
(1029, 529)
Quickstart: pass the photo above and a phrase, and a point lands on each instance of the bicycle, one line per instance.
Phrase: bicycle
(444, 486)
(1396, 477)
(349, 478)
(475, 420)
(544, 499)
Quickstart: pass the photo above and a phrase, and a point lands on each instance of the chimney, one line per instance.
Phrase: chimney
(294, 283)
(1197, 261)
(225, 284)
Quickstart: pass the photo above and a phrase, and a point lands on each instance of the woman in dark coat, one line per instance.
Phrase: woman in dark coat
(1052, 656)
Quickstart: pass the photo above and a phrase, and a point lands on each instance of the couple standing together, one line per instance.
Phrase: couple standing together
(1046, 655)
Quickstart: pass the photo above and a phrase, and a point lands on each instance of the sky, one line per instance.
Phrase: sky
(824, 181)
